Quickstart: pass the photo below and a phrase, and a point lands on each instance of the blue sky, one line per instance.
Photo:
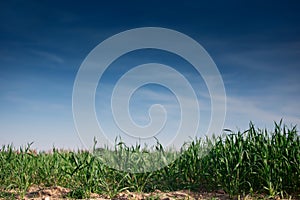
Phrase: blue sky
(255, 45)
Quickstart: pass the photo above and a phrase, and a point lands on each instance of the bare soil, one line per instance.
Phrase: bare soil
(60, 193)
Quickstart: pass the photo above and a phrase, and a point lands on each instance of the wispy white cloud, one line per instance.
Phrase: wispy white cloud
(262, 80)
(28, 104)
(52, 57)
(241, 110)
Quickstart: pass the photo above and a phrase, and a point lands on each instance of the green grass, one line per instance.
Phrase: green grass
(251, 162)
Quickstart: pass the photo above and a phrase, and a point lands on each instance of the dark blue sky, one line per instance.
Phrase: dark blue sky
(255, 45)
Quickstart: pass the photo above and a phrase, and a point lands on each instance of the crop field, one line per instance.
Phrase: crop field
(255, 163)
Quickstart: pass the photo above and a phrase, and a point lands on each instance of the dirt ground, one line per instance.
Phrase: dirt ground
(60, 193)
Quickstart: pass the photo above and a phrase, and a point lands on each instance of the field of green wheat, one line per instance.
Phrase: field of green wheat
(255, 161)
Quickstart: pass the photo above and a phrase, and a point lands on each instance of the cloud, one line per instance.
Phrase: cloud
(48, 56)
(241, 110)
(261, 79)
